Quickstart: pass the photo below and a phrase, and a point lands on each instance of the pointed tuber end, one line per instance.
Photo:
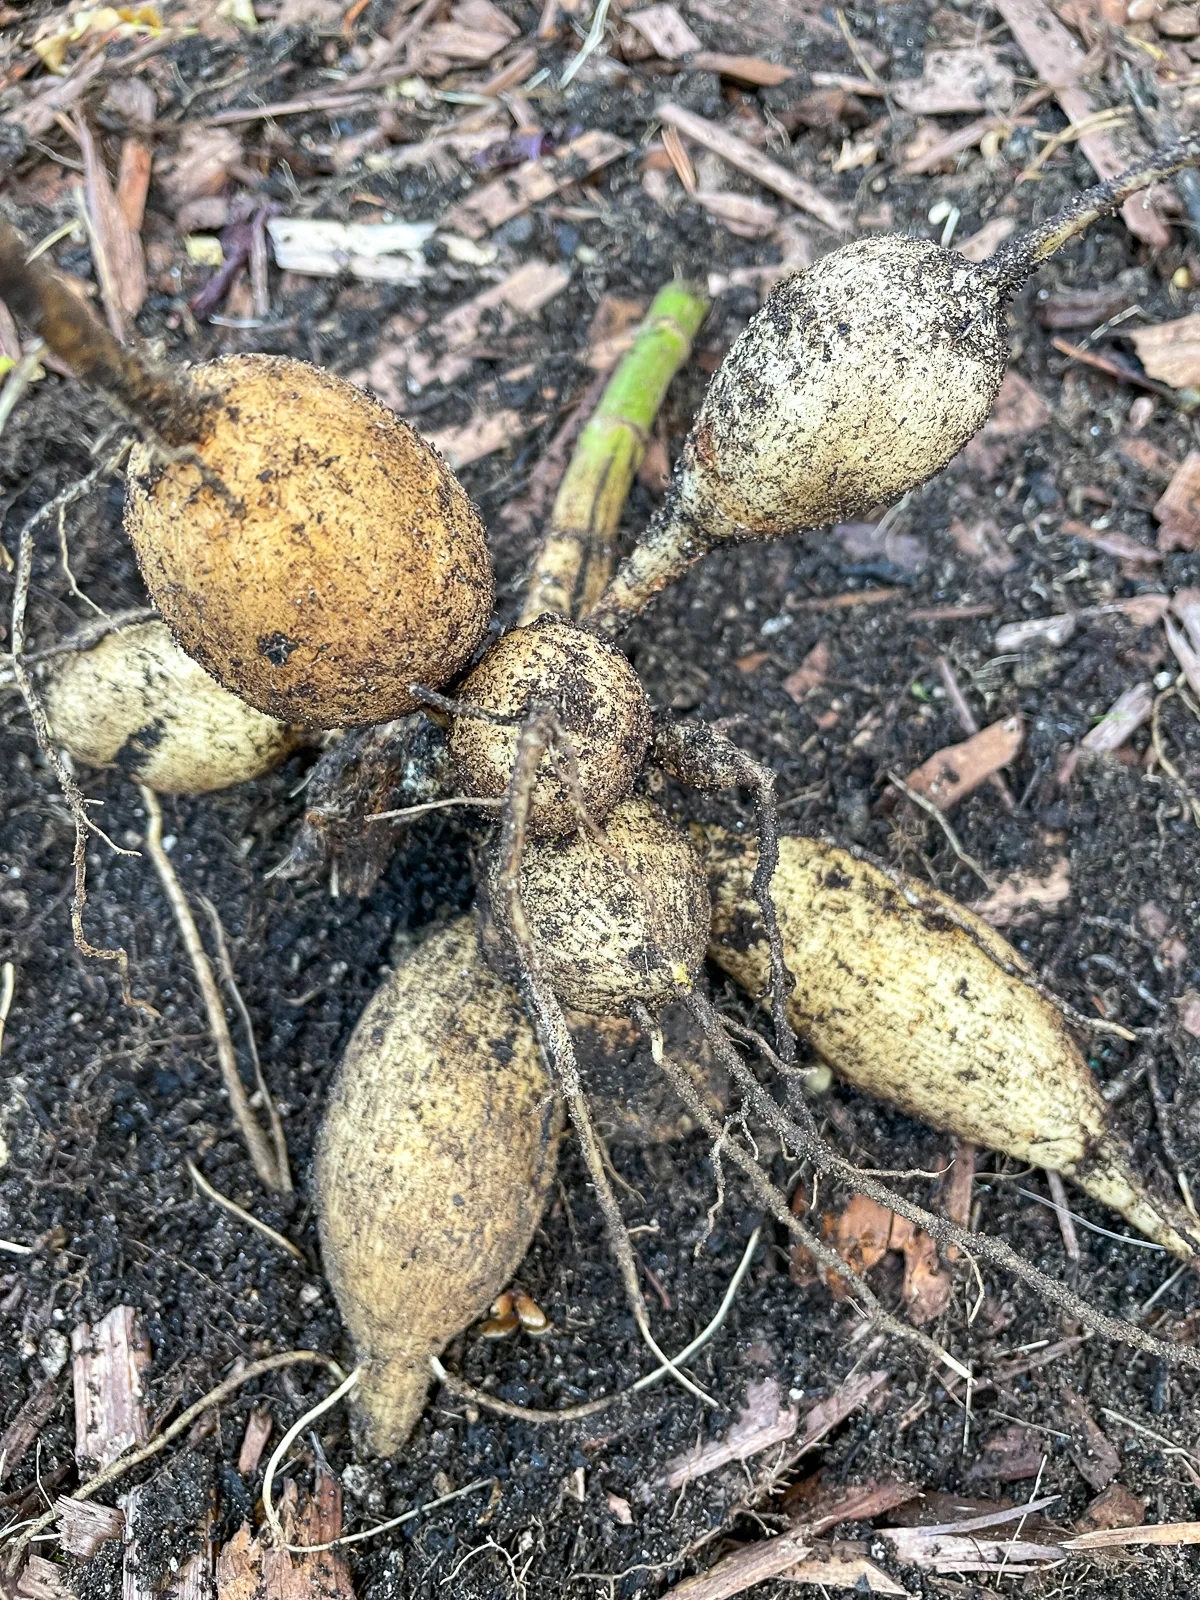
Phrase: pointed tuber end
(388, 1402)
(1107, 1174)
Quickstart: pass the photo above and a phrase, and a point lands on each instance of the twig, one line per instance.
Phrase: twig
(41, 727)
(576, 558)
(966, 720)
(1066, 1218)
(808, 1141)
(487, 804)
(261, 1154)
(245, 1216)
(274, 1120)
(943, 822)
(18, 381)
(124, 1464)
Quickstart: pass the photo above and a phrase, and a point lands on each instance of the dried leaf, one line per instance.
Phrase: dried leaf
(200, 165)
(810, 674)
(1020, 898)
(53, 40)
(249, 1567)
(515, 192)
(1012, 1454)
(1178, 511)
(613, 329)
(968, 79)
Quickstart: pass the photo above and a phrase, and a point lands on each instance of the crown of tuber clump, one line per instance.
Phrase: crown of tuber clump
(136, 701)
(615, 919)
(912, 998)
(300, 540)
(316, 556)
(597, 700)
(432, 1168)
(857, 380)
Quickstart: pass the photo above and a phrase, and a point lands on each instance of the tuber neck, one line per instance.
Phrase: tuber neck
(162, 406)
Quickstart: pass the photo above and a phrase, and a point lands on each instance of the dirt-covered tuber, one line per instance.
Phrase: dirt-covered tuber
(315, 554)
(857, 380)
(614, 919)
(136, 701)
(597, 700)
(914, 999)
(432, 1168)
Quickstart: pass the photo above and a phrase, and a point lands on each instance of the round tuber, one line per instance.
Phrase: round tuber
(312, 551)
(857, 380)
(914, 999)
(617, 918)
(599, 704)
(432, 1168)
(136, 701)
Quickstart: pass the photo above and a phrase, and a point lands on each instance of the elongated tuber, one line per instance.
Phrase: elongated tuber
(858, 380)
(432, 1168)
(615, 919)
(302, 543)
(136, 701)
(910, 997)
(597, 700)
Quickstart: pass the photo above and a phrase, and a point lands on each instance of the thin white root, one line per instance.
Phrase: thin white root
(285, 1444)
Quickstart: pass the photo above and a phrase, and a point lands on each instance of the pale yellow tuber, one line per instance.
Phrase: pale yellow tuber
(432, 1168)
(136, 701)
(910, 997)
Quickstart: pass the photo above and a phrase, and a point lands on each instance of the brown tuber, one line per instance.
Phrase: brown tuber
(599, 705)
(857, 380)
(618, 918)
(914, 999)
(136, 701)
(432, 1168)
(302, 543)
(316, 555)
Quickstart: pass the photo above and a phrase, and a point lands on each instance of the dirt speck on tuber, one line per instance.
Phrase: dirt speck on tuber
(323, 560)
(599, 703)
(432, 1169)
(912, 998)
(138, 702)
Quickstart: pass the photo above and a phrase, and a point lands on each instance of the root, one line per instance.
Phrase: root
(41, 727)
(272, 1172)
(532, 743)
(705, 759)
(776, 1203)
(806, 1139)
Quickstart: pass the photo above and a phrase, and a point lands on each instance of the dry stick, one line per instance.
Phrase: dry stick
(85, 636)
(775, 1201)
(827, 1160)
(576, 558)
(274, 1120)
(261, 1155)
(124, 1464)
(41, 727)
(532, 743)
(241, 1213)
(44, 299)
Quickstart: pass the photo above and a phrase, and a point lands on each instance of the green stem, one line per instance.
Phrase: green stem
(576, 558)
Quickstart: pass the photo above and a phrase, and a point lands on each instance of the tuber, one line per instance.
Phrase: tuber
(302, 543)
(914, 999)
(599, 705)
(432, 1168)
(857, 380)
(136, 701)
(614, 918)
(316, 556)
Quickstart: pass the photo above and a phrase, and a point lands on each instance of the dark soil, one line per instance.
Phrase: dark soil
(100, 1104)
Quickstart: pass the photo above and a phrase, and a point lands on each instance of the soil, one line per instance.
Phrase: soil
(100, 1104)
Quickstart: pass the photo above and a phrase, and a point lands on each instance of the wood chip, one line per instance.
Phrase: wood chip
(1115, 1508)
(985, 542)
(110, 1408)
(743, 216)
(842, 1566)
(761, 1423)
(1155, 463)
(383, 252)
(949, 775)
(43, 1580)
(249, 1567)
(862, 1233)
(486, 433)
(809, 675)
(258, 1431)
(516, 191)
(1059, 59)
(967, 79)
(1170, 351)
(757, 166)
(1093, 1454)
(844, 602)
(979, 246)
(665, 31)
(1051, 631)
(613, 329)
(83, 1526)
(1160, 1533)
(743, 69)
(1112, 541)
(1178, 511)
(116, 247)
(1125, 716)
(27, 1424)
